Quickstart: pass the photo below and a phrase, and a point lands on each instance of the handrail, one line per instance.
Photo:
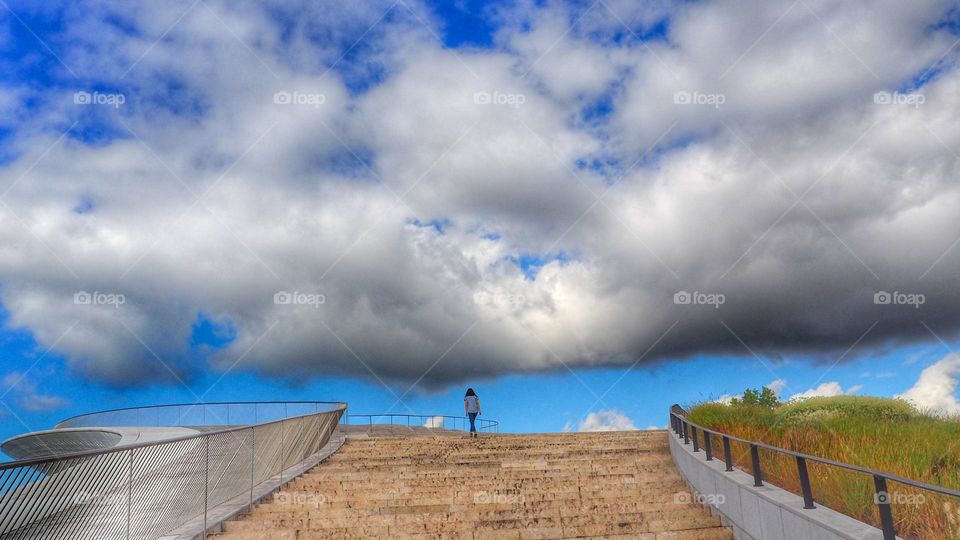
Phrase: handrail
(483, 424)
(70, 422)
(146, 489)
(685, 429)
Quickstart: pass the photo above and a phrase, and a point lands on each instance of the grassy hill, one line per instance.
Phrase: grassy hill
(884, 434)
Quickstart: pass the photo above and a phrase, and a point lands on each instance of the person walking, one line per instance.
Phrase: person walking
(471, 405)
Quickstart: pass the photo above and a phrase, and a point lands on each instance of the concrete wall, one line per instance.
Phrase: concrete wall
(761, 513)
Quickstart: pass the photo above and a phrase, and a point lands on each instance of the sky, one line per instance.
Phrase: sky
(587, 211)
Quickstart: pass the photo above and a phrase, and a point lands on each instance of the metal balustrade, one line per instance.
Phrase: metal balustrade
(224, 413)
(146, 490)
(689, 432)
(461, 423)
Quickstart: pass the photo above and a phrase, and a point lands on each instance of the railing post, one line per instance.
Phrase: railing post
(129, 487)
(805, 483)
(686, 434)
(708, 445)
(283, 455)
(755, 459)
(253, 458)
(696, 442)
(727, 455)
(882, 498)
(206, 481)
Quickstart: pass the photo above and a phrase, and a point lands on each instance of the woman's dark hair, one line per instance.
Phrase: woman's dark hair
(470, 392)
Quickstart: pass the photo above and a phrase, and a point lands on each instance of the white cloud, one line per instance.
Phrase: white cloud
(777, 386)
(24, 389)
(936, 388)
(827, 389)
(434, 422)
(611, 420)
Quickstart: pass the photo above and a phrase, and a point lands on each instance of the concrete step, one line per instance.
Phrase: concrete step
(441, 520)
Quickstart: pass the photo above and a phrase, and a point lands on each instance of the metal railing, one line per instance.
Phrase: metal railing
(688, 431)
(146, 490)
(461, 423)
(225, 413)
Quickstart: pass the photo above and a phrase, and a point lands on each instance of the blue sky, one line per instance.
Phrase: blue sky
(527, 248)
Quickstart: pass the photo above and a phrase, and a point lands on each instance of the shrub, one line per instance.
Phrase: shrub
(764, 397)
(863, 407)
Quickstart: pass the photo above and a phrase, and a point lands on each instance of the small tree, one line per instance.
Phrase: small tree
(757, 398)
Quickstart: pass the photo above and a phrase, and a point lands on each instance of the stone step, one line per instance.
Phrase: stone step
(444, 514)
(479, 534)
(482, 495)
(613, 524)
(403, 467)
(505, 478)
(643, 503)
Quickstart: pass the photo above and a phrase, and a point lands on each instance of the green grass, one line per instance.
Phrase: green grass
(884, 434)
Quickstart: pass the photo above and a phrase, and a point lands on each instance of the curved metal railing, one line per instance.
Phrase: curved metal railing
(461, 423)
(224, 413)
(688, 431)
(148, 489)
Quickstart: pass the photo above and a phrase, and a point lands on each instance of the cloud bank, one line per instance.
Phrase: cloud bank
(340, 193)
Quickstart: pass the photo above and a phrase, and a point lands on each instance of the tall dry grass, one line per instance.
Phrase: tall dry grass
(883, 434)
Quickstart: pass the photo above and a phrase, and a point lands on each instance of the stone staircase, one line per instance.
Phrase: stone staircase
(569, 485)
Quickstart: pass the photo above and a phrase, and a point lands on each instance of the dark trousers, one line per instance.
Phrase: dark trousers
(473, 419)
